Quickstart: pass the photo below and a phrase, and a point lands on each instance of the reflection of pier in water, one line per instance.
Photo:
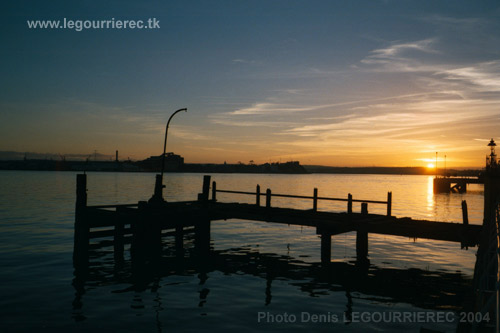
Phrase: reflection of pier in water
(423, 289)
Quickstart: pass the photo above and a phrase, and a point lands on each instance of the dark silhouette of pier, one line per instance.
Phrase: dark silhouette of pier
(144, 223)
(454, 184)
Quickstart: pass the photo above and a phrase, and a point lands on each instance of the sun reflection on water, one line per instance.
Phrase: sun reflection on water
(430, 195)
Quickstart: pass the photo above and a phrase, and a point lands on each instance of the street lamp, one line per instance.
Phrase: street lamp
(158, 194)
(436, 166)
(445, 165)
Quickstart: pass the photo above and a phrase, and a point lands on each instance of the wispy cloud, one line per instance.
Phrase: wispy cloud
(485, 76)
(251, 123)
(400, 52)
(270, 108)
(456, 23)
(244, 61)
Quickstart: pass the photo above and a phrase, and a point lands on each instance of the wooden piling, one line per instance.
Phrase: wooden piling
(202, 237)
(257, 195)
(362, 238)
(389, 203)
(179, 240)
(203, 196)
(315, 200)
(82, 229)
(361, 245)
(139, 234)
(81, 191)
(118, 241)
(158, 193)
(465, 214)
(364, 208)
(268, 198)
(349, 203)
(214, 191)
(326, 248)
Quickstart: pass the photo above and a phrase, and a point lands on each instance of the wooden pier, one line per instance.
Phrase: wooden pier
(144, 224)
(454, 184)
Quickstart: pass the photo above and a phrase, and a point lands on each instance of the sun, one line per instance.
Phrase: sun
(430, 166)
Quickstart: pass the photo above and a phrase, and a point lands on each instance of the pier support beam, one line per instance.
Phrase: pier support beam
(82, 229)
(315, 200)
(202, 237)
(257, 195)
(465, 213)
(214, 191)
(118, 241)
(158, 192)
(349, 203)
(146, 243)
(326, 246)
(389, 203)
(361, 245)
(203, 196)
(179, 241)
(362, 239)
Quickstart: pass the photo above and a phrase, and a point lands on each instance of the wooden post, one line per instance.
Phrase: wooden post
(158, 193)
(465, 214)
(326, 248)
(81, 191)
(139, 234)
(214, 191)
(361, 245)
(268, 198)
(202, 237)
(389, 203)
(179, 240)
(362, 238)
(257, 195)
(364, 208)
(203, 196)
(81, 237)
(118, 242)
(315, 200)
(349, 203)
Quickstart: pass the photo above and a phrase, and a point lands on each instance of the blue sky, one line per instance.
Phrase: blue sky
(323, 82)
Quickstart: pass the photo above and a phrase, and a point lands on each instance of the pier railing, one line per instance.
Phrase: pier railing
(315, 198)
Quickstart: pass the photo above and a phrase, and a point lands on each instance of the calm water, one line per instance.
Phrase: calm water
(255, 267)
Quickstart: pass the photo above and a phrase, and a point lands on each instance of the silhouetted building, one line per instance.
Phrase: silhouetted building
(173, 162)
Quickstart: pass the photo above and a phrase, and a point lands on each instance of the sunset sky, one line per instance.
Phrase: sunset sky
(341, 83)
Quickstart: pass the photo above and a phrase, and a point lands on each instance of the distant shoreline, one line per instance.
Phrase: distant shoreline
(275, 168)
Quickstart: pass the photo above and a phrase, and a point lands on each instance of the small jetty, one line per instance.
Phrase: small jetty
(144, 224)
(454, 184)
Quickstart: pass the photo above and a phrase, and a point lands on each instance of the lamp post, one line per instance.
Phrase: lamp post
(158, 193)
(445, 165)
(436, 164)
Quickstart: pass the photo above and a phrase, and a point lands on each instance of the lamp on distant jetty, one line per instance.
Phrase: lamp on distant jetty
(491, 162)
(158, 193)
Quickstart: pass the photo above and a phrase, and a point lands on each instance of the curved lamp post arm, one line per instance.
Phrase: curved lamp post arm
(165, 142)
